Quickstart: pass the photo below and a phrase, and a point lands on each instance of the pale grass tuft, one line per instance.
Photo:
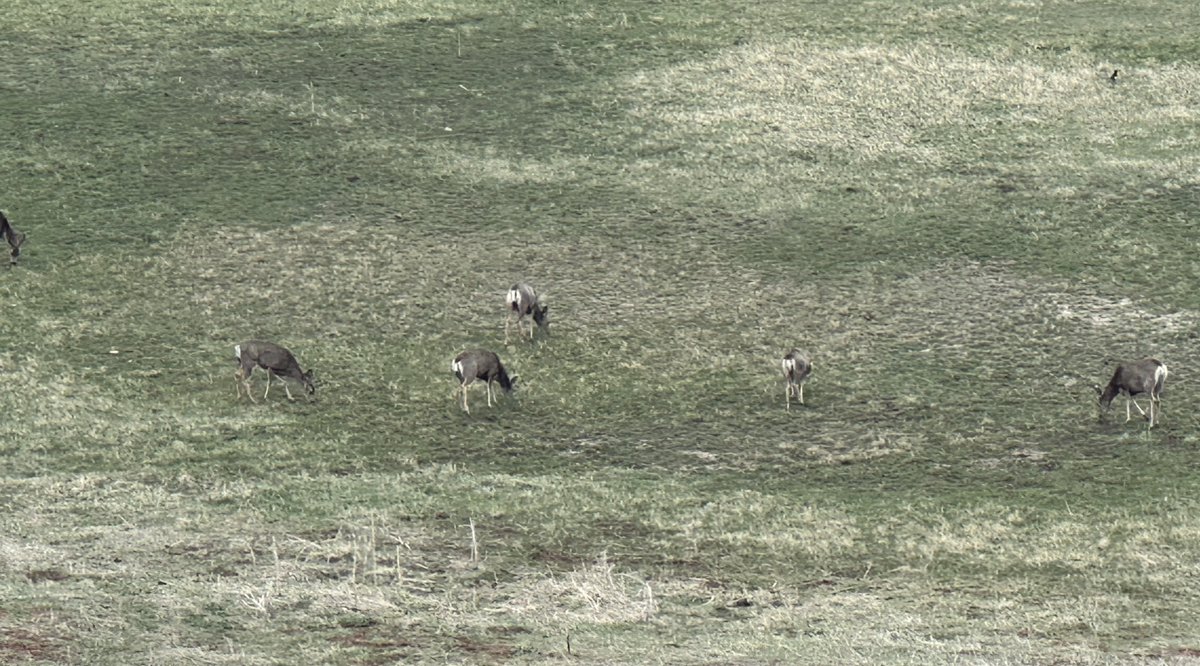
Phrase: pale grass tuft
(595, 594)
(492, 166)
(19, 555)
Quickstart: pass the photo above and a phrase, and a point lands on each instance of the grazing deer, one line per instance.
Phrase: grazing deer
(276, 360)
(480, 364)
(1133, 379)
(797, 366)
(15, 238)
(522, 300)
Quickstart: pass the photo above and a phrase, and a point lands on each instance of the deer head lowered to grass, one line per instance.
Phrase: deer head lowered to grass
(475, 364)
(797, 366)
(276, 360)
(15, 238)
(1135, 378)
(522, 301)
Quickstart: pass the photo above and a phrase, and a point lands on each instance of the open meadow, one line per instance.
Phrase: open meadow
(949, 204)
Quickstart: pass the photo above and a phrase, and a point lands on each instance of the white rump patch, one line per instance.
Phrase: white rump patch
(456, 368)
(514, 298)
(237, 352)
(789, 365)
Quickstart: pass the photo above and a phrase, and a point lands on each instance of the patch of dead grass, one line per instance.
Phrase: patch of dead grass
(777, 114)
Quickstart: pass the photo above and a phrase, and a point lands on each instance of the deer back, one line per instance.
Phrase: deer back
(796, 365)
(522, 299)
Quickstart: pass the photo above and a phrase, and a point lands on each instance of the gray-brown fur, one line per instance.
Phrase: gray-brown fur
(14, 238)
(523, 301)
(476, 364)
(797, 366)
(276, 360)
(1134, 378)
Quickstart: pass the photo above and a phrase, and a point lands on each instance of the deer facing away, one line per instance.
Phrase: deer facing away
(15, 238)
(475, 364)
(523, 301)
(797, 366)
(276, 360)
(1135, 378)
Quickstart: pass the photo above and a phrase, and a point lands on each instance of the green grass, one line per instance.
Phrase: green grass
(947, 203)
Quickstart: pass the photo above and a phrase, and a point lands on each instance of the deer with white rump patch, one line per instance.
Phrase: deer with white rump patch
(797, 366)
(523, 301)
(1135, 378)
(480, 364)
(277, 361)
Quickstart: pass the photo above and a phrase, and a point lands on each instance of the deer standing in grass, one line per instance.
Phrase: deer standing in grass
(523, 301)
(480, 364)
(1135, 378)
(15, 238)
(797, 366)
(276, 360)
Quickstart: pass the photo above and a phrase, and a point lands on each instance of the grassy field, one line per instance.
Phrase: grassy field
(947, 203)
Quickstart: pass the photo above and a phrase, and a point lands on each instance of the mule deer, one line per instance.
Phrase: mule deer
(276, 360)
(522, 300)
(797, 366)
(15, 238)
(480, 364)
(1133, 379)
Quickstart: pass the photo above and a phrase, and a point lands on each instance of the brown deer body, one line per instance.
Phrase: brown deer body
(1135, 378)
(276, 360)
(797, 366)
(523, 301)
(15, 238)
(475, 364)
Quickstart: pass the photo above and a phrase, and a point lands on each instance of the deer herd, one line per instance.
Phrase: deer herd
(1145, 377)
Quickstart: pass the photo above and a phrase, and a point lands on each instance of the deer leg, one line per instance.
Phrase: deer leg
(286, 389)
(507, 323)
(240, 384)
(801, 391)
(1139, 407)
(243, 382)
(489, 393)
(246, 384)
(787, 392)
